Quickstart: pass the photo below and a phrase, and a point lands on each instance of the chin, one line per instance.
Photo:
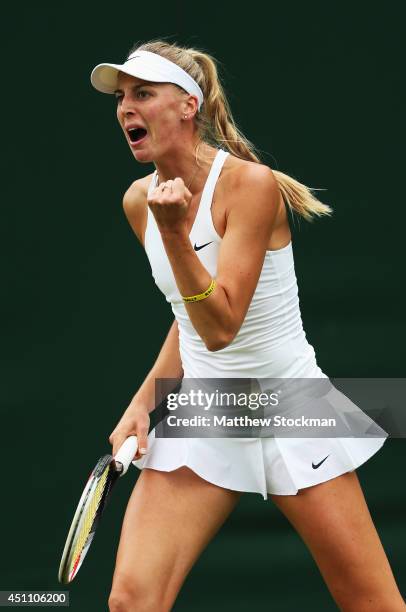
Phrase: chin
(143, 157)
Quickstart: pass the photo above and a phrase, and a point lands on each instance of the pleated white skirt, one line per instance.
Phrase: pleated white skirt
(266, 465)
(280, 466)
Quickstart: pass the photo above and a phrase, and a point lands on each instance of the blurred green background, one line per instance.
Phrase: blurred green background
(317, 87)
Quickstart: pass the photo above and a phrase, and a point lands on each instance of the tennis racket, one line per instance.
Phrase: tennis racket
(91, 506)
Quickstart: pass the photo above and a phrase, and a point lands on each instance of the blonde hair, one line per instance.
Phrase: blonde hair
(216, 126)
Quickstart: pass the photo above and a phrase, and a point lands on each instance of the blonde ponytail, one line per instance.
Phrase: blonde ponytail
(216, 125)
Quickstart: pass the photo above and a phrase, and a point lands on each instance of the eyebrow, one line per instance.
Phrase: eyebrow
(134, 88)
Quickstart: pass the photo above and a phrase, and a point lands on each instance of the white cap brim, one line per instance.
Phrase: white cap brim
(104, 77)
(147, 66)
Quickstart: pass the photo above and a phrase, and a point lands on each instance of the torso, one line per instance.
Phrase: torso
(222, 200)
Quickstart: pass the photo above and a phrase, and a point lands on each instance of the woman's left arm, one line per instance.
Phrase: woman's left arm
(217, 319)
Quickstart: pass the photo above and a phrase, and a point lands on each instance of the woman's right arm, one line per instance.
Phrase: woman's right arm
(168, 364)
(135, 420)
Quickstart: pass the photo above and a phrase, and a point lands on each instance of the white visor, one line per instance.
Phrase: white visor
(148, 67)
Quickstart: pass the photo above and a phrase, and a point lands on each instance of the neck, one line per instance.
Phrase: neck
(182, 163)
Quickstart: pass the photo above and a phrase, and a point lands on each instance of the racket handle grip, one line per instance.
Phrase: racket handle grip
(126, 452)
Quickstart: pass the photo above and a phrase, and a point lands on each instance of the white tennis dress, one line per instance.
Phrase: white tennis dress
(271, 343)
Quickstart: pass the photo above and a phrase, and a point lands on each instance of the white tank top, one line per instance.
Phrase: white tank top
(271, 342)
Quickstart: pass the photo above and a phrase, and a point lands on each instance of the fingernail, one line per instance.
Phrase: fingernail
(143, 451)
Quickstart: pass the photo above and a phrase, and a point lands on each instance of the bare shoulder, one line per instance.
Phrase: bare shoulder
(246, 177)
(258, 188)
(135, 206)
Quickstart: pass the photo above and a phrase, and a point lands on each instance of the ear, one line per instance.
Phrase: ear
(190, 106)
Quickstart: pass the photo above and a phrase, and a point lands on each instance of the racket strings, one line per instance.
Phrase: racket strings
(90, 515)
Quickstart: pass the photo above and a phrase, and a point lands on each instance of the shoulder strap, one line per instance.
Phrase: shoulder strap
(153, 182)
(207, 195)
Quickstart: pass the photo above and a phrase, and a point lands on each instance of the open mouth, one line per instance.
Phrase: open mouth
(137, 134)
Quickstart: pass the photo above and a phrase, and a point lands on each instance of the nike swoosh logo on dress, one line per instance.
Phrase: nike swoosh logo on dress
(317, 465)
(197, 248)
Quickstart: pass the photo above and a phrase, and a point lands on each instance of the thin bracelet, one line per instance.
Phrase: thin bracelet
(201, 296)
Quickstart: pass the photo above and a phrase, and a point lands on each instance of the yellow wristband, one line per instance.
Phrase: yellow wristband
(201, 296)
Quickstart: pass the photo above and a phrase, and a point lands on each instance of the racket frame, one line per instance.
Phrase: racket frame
(118, 466)
(65, 574)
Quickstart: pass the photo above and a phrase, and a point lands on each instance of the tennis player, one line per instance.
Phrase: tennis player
(213, 221)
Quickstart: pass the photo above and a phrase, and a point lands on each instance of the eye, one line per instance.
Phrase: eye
(142, 91)
(141, 94)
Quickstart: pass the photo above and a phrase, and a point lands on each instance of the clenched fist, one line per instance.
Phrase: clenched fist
(169, 203)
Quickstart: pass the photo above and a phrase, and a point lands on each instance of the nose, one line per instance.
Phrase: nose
(126, 107)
